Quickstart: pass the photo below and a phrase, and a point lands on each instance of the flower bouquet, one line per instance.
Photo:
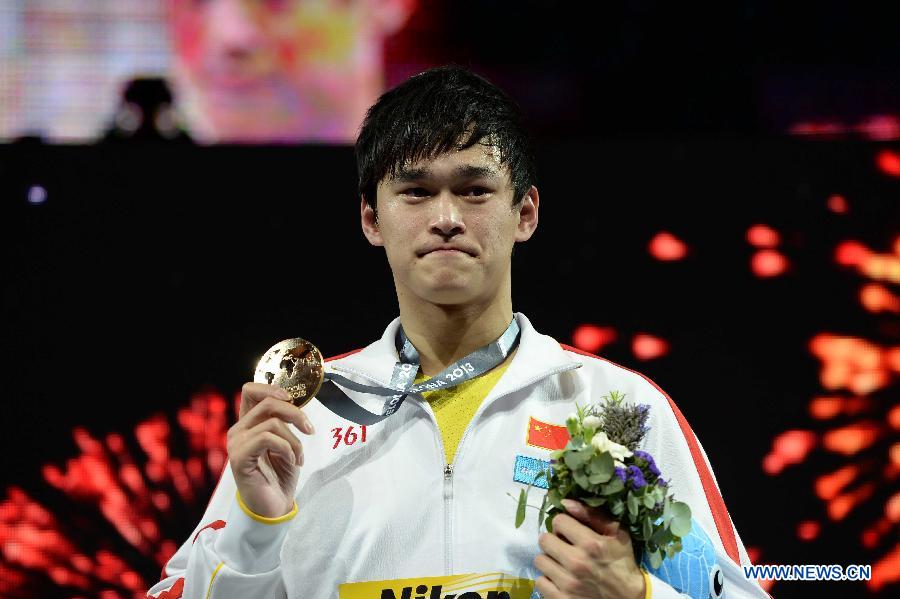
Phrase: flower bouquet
(601, 466)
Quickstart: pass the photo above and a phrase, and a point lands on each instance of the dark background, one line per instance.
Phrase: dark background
(153, 271)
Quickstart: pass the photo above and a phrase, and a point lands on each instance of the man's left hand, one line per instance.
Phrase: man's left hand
(588, 555)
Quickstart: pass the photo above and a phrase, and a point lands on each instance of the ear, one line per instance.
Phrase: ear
(369, 222)
(528, 215)
(389, 16)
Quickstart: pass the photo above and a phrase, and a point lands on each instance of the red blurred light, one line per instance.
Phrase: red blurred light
(808, 530)
(824, 408)
(851, 439)
(648, 347)
(828, 486)
(877, 298)
(886, 570)
(773, 464)
(851, 253)
(894, 417)
(838, 204)
(665, 246)
(880, 127)
(591, 337)
(768, 263)
(840, 506)
(793, 446)
(888, 162)
(892, 508)
(763, 236)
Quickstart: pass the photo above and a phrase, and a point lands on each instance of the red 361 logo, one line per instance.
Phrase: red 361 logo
(349, 437)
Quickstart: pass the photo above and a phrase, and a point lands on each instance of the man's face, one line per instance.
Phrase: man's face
(461, 200)
(271, 70)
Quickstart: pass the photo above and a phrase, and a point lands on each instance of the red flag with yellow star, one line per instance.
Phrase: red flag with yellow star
(546, 436)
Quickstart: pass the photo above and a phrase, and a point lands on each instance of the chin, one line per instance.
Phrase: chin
(460, 295)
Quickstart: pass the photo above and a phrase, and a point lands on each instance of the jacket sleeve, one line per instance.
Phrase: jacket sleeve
(684, 463)
(231, 553)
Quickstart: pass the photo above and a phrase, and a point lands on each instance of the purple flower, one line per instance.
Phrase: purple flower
(662, 482)
(620, 472)
(637, 477)
(651, 464)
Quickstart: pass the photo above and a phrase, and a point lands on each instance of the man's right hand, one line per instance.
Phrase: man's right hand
(265, 455)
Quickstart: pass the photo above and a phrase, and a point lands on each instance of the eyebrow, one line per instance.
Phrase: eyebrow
(466, 171)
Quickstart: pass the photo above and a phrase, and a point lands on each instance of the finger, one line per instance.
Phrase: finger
(267, 440)
(596, 519)
(546, 587)
(271, 407)
(553, 570)
(574, 531)
(253, 393)
(280, 429)
(561, 551)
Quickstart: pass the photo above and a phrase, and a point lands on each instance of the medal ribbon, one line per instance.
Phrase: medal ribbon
(404, 375)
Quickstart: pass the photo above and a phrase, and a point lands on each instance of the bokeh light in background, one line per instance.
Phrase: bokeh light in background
(132, 486)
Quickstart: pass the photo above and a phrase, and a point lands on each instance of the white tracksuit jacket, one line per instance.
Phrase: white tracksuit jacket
(388, 508)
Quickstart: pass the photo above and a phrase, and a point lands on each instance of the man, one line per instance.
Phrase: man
(280, 70)
(415, 505)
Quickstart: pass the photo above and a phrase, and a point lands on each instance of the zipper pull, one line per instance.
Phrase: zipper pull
(448, 471)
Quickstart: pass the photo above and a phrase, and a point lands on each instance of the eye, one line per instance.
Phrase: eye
(476, 191)
(416, 192)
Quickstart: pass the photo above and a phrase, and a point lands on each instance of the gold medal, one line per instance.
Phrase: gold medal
(295, 365)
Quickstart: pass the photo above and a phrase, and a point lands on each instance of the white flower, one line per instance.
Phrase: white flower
(602, 443)
(592, 422)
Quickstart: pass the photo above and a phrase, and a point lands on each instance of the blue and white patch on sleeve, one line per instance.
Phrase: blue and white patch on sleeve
(527, 468)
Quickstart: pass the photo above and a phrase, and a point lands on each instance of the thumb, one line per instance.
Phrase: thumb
(596, 519)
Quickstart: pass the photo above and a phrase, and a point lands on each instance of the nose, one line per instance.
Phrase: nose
(233, 30)
(447, 220)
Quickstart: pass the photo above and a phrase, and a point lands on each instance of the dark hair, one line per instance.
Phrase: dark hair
(433, 112)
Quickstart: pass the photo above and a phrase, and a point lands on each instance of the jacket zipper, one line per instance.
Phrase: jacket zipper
(448, 467)
(448, 499)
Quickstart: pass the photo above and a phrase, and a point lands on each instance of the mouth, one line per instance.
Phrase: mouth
(447, 252)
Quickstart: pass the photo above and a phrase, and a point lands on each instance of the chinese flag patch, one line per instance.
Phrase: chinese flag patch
(546, 436)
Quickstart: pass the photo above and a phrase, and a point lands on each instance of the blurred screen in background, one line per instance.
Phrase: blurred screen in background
(254, 71)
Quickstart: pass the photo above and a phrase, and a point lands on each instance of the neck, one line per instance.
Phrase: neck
(443, 334)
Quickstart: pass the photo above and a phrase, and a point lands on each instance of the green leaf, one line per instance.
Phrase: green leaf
(680, 510)
(581, 479)
(603, 464)
(632, 505)
(655, 559)
(577, 458)
(661, 536)
(616, 506)
(542, 512)
(612, 487)
(520, 511)
(649, 501)
(598, 478)
(670, 551)
(549, 522)
(554, 499)
(647, 529)
(594, 501)
(572, 426)
(680, 527)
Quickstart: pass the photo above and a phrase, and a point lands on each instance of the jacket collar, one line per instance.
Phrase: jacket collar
(537, 357)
